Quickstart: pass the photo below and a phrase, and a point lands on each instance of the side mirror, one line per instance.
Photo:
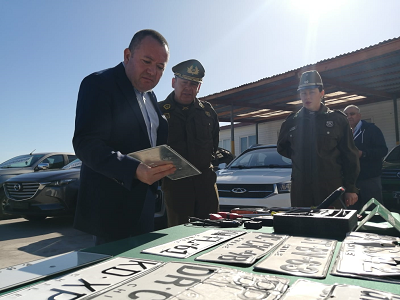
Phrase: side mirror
(222, 166)
(43, 166)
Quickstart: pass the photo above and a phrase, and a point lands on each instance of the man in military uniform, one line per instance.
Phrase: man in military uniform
(320, 143)
(194, 134)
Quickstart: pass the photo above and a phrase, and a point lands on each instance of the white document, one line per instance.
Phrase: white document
(164, 154)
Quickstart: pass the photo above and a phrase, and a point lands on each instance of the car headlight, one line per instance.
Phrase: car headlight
(60, 182)
(284, 187)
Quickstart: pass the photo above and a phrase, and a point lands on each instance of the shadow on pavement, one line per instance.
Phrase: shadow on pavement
(58, 245)
(21, 228)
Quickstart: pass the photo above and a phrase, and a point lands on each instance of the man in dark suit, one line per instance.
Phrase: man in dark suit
(372, 148)
(117, 113)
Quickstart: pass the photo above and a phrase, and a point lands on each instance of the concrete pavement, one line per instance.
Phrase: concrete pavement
(24, 241)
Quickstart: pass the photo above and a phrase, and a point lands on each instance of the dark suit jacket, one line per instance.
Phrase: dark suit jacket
(109, 124)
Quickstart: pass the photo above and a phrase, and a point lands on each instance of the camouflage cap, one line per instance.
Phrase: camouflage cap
(190, 69)
(310, 80)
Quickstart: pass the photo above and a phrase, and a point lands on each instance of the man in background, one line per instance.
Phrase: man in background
(116, 114)
(319, 142)
(194, 134)
(372, 148)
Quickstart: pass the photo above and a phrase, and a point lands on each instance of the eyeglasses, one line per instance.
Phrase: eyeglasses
(350, 114)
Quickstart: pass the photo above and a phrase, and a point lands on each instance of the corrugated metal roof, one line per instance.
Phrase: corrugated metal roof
(366, 75)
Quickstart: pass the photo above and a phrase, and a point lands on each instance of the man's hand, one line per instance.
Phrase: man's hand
(150, 175)
(350, 198)
(359, 153)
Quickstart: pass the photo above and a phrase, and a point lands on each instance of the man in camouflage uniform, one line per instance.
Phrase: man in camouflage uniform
(194, 134)
(320, 143)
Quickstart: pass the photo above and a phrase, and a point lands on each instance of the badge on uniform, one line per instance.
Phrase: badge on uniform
(167, 116)
(293, 128)
(193, 70)
(208, 114)
(329, 123)
(167, 106)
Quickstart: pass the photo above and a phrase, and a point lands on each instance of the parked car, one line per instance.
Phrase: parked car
(36, 196)
(28, 163)
(258, 177)
(391, 180)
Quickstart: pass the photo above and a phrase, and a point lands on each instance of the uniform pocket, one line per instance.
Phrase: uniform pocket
(204, 127)
(327, 141)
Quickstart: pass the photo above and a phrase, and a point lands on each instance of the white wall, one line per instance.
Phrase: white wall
(381, 113)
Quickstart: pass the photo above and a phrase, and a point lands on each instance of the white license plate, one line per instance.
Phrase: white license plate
(35, 270)
(178, 281)
(300, 256)
(193, 244)
(310, 290)
(244, 249)
(86, 281)
(367, 254)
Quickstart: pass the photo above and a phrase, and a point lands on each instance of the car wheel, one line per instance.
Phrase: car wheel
(35, 218)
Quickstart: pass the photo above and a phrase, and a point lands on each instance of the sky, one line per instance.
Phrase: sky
(48, 46)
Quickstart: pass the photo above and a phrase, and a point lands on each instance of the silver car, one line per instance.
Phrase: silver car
(258, 177)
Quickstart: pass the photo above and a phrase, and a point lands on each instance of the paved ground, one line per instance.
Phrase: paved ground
(23, 241)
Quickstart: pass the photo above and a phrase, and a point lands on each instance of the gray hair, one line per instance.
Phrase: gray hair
(353, 106)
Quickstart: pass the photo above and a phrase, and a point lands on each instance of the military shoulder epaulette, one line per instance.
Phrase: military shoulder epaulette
(205, 103)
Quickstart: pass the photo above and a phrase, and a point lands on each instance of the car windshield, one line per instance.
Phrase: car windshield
(21, 161)
(261, 158)
(76, 163)
(394, 155)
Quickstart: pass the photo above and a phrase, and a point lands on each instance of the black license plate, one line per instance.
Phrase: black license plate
(20, 204)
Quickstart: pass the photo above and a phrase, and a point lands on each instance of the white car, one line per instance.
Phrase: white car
(259, 177)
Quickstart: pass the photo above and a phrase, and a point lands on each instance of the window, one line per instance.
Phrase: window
(71, 158)
(226, 144)
(55, 161)
(246, 142)
(21, 161)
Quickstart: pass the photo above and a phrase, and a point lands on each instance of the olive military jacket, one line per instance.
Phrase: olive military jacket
(321, 147)
(194, 132)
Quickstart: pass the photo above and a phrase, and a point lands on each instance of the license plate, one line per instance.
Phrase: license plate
(365, 254)
(193, 244)
(310, 290)
(87, 281)
(244, 249)
(20, 204)
(300, 256)
(28, 272)
(178, 281)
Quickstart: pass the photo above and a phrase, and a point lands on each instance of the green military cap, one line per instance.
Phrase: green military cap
(310, 80)
(190, 69)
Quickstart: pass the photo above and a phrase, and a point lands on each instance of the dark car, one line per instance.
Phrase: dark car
(391, 180)
(29, 163)
(36, 196)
